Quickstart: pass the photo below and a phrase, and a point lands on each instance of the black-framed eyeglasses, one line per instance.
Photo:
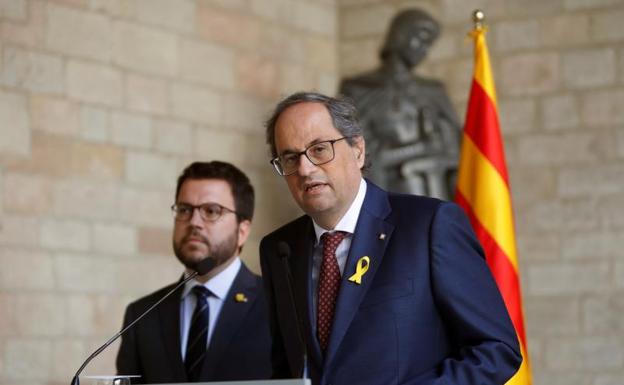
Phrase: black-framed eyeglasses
(209, 212)
(317, 153)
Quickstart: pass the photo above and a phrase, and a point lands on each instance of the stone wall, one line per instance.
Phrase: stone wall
(559, 69)
(102, 103)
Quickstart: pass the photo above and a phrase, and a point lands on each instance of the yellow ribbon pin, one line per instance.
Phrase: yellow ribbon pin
(361, 269)
(240, 297)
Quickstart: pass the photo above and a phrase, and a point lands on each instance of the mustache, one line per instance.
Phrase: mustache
(195, 234)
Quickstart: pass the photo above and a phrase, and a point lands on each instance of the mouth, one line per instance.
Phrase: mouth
(313, 187)
(195, 239)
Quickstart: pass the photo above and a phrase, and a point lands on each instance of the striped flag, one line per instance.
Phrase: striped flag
(483, 192)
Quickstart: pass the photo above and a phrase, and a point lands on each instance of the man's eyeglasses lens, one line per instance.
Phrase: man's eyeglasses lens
(208, 211)
(317, 154)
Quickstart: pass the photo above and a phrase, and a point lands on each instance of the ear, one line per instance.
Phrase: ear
(359, 147)
(243, 232)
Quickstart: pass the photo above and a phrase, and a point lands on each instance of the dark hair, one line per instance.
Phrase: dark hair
(242, 190)
(343, 114)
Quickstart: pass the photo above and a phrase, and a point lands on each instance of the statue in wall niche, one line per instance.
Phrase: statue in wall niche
(412, 131)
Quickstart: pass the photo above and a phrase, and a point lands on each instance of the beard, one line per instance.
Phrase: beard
(220, 252)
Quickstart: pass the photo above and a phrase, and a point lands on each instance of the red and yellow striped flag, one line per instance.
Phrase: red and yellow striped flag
(483, 192)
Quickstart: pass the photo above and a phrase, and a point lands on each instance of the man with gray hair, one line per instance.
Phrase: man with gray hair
(371, 287)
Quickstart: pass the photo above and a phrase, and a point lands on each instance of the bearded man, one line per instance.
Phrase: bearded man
(216, 327)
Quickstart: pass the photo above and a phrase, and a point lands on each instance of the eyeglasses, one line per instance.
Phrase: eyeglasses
(317, 153)
(209, 212)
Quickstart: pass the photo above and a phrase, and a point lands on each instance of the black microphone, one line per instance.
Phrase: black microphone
(202, 267)
(283, 251)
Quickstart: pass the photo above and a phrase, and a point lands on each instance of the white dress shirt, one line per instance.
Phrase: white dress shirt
(347, 224)
(219, 285)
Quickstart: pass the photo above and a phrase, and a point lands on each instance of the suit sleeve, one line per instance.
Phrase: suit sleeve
(279, 358)
(471, 306)
(127, 357)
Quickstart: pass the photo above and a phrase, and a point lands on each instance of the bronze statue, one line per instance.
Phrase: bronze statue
(412, 131)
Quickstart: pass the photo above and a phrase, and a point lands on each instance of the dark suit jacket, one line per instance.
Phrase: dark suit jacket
(427, 311)
(239, 348)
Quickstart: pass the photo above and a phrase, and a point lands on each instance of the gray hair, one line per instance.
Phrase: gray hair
(342, 111)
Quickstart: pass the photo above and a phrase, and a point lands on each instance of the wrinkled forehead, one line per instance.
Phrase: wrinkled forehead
(303, 124)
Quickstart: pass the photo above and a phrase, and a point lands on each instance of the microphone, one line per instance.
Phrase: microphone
(283, 251)
(202, 267)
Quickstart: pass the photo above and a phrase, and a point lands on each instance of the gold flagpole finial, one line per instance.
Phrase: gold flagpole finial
(478, 17)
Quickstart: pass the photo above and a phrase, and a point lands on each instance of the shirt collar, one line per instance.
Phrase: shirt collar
(220, 284)
(349, 219)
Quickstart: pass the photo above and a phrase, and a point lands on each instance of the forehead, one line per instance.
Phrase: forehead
(198, 191)
(303, 124)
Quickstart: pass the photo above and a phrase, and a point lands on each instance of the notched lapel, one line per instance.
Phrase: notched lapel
(367, 241)
(230, 319)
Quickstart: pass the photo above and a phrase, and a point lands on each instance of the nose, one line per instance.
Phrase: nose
(196, 219)
(305, 166)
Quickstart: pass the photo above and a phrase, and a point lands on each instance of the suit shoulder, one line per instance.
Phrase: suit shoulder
(412, 206)
(248, 280)
(249, 277)
(407, 207)
(288, 229)
(415, 201)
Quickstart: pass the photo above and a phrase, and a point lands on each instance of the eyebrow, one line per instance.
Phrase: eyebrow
(312, 143)
(201, 204)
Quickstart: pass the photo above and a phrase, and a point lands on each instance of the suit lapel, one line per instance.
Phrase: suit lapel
(169, 315)
(367, 241)
(230, 319)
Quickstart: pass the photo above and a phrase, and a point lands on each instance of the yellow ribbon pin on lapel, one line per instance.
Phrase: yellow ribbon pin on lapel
(360, 269)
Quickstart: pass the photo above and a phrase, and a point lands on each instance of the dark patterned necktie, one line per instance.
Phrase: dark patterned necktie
(198, 334)
(328, 285)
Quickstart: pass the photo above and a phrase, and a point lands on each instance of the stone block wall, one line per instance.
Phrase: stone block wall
(102, 103)
(559, 70)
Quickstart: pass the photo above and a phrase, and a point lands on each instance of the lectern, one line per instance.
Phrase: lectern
(112, 380)
(299, 381)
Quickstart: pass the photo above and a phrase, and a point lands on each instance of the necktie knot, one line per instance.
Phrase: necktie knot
(332, 240)
(201, 292)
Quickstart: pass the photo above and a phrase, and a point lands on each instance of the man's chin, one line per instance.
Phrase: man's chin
(315, 205)
(190, 261)
(193, 249)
